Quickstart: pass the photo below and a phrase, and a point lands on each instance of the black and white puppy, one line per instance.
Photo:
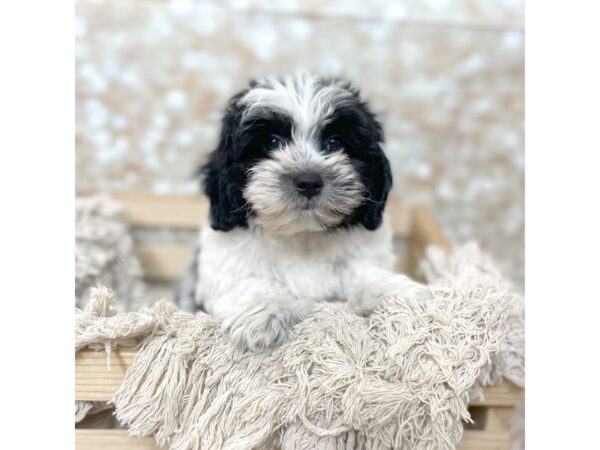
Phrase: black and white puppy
(297, 189)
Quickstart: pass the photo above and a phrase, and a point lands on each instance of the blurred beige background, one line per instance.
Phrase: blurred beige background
(446, 77)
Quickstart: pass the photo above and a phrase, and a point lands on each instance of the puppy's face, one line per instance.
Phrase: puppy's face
(298, 154)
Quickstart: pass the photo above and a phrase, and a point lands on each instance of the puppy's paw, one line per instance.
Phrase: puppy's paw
(262, 327)
(419, 292)
(394, 287)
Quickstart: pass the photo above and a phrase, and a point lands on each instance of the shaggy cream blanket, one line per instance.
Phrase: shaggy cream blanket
(104, 253)
(401, 378)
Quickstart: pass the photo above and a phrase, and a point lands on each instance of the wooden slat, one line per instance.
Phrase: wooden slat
(424, 231)
(499, 419)
(155, 211)
(401, 262)
(111, 439)
(163, 261)
(119, 440)
(94, 381)
(503, 394)
(400, 217)
(482, 440)
(416, 252)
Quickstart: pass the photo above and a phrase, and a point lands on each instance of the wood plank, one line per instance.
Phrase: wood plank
(482, 440)
(146, 210)
(119, 440)
(400, 217)
(425, 230)
(119, 358)
(401, 263)
(94, 381)
(505, 393)
(165, 262)
(499, 419)
(113, 439)
(413, 258)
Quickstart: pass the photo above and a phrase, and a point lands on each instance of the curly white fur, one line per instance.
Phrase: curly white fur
(262, 284)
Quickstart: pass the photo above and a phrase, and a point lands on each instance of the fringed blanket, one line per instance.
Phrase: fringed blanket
(401, 378)
(104, 253)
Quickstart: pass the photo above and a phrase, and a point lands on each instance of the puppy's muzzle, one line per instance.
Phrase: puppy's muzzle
(309, 184)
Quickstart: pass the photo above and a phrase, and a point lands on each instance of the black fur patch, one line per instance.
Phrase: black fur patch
(240, 146)
(361, 135)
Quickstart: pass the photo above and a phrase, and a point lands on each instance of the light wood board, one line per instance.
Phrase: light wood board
(119, 440)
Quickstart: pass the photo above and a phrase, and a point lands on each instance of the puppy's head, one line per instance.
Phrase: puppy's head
(298, 154)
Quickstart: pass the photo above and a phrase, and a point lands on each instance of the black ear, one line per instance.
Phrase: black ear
(379, 183)
(224, 177)
(374, 169)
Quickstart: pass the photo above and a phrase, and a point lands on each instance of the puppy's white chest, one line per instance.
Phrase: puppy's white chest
(308, 270)
(308, 266)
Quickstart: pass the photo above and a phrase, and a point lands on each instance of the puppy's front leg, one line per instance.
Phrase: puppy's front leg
(260, 315)
(368, 286)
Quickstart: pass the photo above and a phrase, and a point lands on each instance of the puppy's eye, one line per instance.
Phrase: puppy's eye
(273, 143)
(334, 144)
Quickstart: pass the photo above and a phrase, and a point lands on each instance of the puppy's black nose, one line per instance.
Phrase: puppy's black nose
(309, 184)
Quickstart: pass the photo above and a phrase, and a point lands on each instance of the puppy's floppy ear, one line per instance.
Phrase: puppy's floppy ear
(378, 176)
(379, 186)
(224, 177)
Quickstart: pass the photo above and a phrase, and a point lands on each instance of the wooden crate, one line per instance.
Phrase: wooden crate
(414, 229)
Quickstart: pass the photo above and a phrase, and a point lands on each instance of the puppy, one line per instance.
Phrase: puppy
(297, 187)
